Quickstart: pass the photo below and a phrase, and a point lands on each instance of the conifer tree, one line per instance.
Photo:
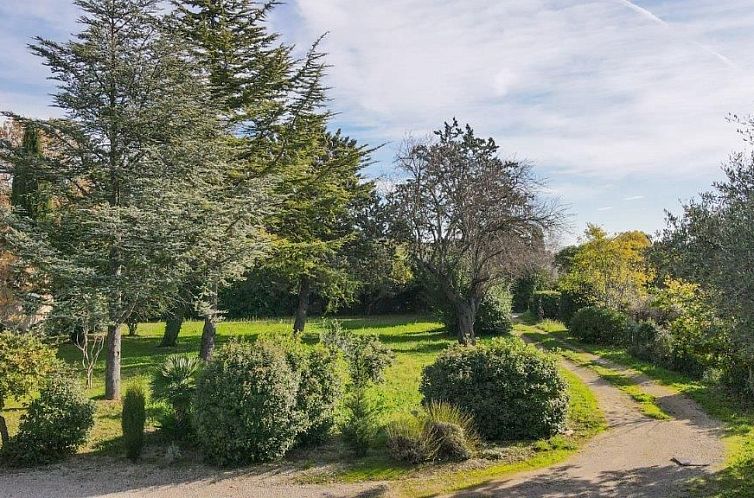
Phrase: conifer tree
(139, 144)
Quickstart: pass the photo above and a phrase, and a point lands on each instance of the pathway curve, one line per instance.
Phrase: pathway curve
(632, 458)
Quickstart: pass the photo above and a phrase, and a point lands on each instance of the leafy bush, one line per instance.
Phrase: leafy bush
(320, 388)
(246, 405)
(24, 362)
(597, 325)
(511, 389)
(175, 383)
(367, 359)
(545, 304)
(54, 426)
(571, 302)
(494, 314)
(650, 342)
(133, 419)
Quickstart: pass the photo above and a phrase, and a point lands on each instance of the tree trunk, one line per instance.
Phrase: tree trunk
(172, 328)
(132, 326)
(466, 316)
(112, 363)
(4, 436)
(208, 338)
(304, 291)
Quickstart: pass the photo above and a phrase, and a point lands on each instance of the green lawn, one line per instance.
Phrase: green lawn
(416, 341)
(736, 412)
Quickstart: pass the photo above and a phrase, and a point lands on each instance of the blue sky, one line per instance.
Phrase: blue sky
(620, 105)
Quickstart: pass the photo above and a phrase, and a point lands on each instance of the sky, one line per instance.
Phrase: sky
(621, 106)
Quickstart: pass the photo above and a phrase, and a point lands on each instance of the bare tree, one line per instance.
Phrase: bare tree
(470, 219)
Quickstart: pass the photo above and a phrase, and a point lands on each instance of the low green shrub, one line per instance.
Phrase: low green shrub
(570, 303)
(320, 390)
(451, 432)
(175, 384)
(55, 425)
(493, 315)
(545, 304)
(596, 325)
(362, 420)
(511, 389)
(650, 342)
(443, 433)
(245, 408)
(133, 420)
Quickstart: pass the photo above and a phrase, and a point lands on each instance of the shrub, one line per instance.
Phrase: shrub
(367, 359)
(24, 362)
(451, 432)
(598, 325)
(246, 405)
(511, 389)
(650, 342)
(570, 303)
(493, 315)
(55, 425)
(133, 419)
(175, 384)
(320, 390)
(545, 304)
(407, 441)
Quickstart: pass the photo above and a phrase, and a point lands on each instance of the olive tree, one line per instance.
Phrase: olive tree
(470, 219)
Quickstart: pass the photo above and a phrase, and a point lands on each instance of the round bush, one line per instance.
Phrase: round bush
(245, 408)
(511, 389)
(320, 389)
(597, 325)
(54, 426)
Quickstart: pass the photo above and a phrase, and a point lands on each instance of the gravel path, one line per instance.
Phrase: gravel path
(633, 457)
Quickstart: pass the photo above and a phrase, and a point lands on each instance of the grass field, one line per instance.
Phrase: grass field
(416, 341)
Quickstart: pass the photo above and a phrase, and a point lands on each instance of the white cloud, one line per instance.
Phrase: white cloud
(590, 88)
(605, 208)
(633, 198)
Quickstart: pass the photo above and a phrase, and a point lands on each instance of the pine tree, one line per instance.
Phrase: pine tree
(139, 144)
(274, 103)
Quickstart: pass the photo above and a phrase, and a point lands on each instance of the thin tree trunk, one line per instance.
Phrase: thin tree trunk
(172, 328)
(304, 291)
(4, 436)
(209, 332)
(466, 316)
(132, 326)
(112, 365)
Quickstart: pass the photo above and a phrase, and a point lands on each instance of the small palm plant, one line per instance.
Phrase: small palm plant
(175, 383)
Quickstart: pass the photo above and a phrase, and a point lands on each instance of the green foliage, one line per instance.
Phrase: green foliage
(597, 325)
(650, 342)
(246, 405)
(511, 389)
(54, 425)
(24, 361)
(133, 420)
(570, 302)
(175, 383)
(367, 359)
(493, 315)
(366, 356)
(407, 440)
(545, 304)
(451, 431)
(610, 271)
(320, 387)
(523, 288)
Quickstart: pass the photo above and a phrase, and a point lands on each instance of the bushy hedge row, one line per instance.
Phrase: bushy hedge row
(511, 389)
(598, 325)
